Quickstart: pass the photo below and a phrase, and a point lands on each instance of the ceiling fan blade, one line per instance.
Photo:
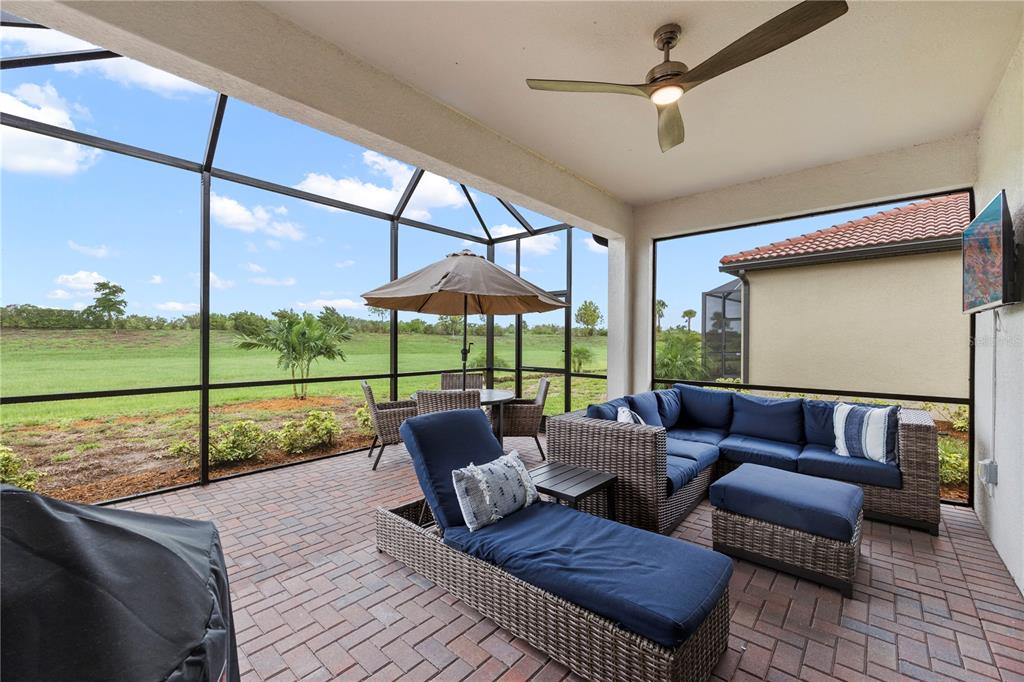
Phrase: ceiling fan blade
(670, 126)
(587, 86)
(791, 25)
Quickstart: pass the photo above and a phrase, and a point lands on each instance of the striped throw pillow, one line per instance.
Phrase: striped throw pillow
(864, 432)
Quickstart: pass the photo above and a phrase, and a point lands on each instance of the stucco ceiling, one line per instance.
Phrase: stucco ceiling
(885, 76)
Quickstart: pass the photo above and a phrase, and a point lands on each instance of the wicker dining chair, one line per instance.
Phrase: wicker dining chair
(441, 401)
(452, 381)
(523, 417)
(386, 418)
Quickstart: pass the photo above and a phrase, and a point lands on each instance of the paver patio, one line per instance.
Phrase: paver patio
(313, 600)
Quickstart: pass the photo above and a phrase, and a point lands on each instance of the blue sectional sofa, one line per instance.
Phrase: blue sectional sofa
(703, 429)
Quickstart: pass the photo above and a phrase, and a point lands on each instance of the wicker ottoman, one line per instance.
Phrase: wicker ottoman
(803, 525)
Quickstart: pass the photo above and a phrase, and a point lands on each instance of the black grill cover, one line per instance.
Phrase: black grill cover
(91, 593)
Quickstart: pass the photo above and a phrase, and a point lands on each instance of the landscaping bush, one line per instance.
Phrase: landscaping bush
(13, 470)
(235, 442)
(364, 421)
(479, 361)
(320, 428)
(953, 467)
(581, 355)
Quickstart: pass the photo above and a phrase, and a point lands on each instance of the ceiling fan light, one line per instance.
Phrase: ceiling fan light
(666, 95)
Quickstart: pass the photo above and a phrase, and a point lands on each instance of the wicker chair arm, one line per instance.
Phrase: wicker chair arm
(397, 405)
(634, 453)
(917, 447)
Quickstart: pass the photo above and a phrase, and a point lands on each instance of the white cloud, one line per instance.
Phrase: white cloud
(236, 216)
(219, 282)
(120, 70)
(541, 245)
(58, 294)
(81, 280)
(253, 267)
(176, 307)
(339, 303)
(433, 191)
(26, 152)
(345, 263)
(273, 244)
(156, 279)
(594, 246)
(95, 251)
(271, 282)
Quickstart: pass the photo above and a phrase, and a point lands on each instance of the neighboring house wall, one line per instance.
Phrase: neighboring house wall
(999, 387)
(886, 325)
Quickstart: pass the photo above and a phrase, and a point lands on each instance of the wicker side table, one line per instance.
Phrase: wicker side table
(826, 561)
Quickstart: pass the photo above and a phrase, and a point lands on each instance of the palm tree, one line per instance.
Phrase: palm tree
(679, 356)
(299, 342)
(659, 311)
(688, 315)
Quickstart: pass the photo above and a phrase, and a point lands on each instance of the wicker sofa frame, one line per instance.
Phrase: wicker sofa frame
(916, 503)
(636, 455)
(589, 645)
(823, 560)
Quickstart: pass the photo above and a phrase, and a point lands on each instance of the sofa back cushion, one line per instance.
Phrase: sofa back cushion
(819, 428)
(670, 406)
(868, 432)
(780, 419)
(440, 442)
(608, 410)
(645, 405)
(705, 407)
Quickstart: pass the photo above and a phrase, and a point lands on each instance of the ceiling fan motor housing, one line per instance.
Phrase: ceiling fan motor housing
(666, 70)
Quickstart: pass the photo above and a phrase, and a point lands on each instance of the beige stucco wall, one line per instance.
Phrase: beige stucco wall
(887, 325)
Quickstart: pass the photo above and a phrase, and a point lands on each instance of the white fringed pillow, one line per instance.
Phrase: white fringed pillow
(492, 491)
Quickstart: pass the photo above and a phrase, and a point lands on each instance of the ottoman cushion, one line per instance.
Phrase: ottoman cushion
(814, 505)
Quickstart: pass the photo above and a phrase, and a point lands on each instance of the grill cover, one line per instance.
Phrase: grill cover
(92, 593)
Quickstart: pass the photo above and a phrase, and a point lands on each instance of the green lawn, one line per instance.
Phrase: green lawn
(56, 361)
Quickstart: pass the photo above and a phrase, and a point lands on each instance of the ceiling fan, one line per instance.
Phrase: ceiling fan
(667, 81)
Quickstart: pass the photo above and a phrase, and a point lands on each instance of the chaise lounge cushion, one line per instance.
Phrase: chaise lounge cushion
(645, 405)
(608, 410)
(705, 407)
(702, 453)
(743, 449)
(670, 406)
(660, 588)
(454, 439)
(819, 427)
(681, 470)
(818, 460)
(814, 505)
(709, 436)
(770, 418)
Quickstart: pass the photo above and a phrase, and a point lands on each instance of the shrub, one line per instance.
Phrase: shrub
(319, 428)
(13, 470)
(581, 355)
(186, 450)
(479, 361)
(364, 421)
(953, 466)
(235, 442)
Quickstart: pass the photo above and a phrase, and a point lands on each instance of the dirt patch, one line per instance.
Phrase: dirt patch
(953, 493)
(286, 405)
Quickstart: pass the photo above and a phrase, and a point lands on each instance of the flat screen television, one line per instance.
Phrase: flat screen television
(989, 259)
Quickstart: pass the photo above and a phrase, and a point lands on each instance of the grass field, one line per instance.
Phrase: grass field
(100, 448)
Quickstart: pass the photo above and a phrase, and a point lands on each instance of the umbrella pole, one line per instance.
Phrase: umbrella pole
(465, 350)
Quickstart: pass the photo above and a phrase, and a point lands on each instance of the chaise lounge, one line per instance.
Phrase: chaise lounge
(690, 424)
(586, 590)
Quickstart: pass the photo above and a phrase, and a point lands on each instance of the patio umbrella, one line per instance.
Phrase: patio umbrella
(464, 283)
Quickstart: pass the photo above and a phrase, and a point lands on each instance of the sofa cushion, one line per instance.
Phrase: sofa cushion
(616, 571)
(608, 410)
(814, 505)
(441, 442)
(670, 406)
(705, 407)
(709, 436)
(704, 454)
(818, 460)
(818, 425)
(645, 405)
(771, 418)
(773, 453)
(681, 470)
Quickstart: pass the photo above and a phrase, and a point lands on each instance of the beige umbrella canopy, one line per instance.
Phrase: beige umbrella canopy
(464, 284)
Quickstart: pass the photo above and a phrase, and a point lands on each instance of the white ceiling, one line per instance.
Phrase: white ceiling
(886, 75)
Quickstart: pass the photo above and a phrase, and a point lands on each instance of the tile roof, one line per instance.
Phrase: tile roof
(944, 216)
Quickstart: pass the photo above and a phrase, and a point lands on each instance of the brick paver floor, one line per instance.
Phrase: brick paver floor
(313, 600)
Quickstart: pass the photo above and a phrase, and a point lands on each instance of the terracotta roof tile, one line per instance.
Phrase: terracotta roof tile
(944, 216)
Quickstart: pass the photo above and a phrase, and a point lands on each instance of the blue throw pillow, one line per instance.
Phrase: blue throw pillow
(865, 432)
(645, 405)
(608, 410)
(769, 418)
(705, 407)
(818, 425)
(670, 407)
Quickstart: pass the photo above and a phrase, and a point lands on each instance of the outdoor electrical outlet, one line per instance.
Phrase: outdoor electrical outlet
(988, 471)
